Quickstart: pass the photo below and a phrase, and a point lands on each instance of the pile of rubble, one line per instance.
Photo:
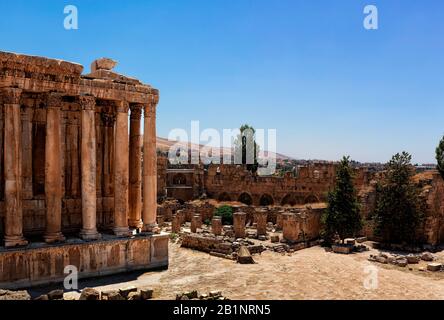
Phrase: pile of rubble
(14, 295)
(404, 260)
(194, 295)
(219, 246)
(350, 246)
(130, 293)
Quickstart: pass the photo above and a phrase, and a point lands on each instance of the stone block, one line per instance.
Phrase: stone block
(343, 249)
(434, 267)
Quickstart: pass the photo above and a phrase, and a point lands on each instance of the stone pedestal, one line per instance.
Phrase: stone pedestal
(216, 226)
(196, 223)
(239, 219)
(279, 220)
(261, 222)
(160, 221)
(182, 216)
(176, 224)
(290, 227)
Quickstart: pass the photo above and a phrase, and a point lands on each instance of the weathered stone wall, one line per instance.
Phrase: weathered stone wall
(24, 268)
(235, 183)
(433, 194)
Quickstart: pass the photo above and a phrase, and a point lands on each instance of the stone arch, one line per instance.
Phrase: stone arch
(266, 200)
(311, 199)
(179, 179)
(224, 197)
(245, 198)
(288, 200)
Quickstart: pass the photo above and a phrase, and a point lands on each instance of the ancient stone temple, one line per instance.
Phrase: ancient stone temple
(78, 177)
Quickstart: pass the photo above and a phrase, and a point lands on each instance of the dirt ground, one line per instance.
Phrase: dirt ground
(307, 274)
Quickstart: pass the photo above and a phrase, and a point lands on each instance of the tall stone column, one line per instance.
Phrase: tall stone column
(150, 168)
(53, 169)
(13, 171)
(121, 171)
(135, 169)
(88, 161)
(239, 219)
(261, 222)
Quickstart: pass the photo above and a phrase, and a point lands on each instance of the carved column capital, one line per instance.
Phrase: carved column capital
(87, 102)
(11, 95)
(136, 111)
(122, 106)
(151, 105)
(54, 100)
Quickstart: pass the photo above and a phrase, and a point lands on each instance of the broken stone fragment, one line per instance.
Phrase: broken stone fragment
(344, 249)
(55, 295)
(146, 294)
(103, 64)
(134, 296)
(244, 256)
(427, 256)
(112, 295)
(126, 291)
(401, 262)
(274, 238)
(381, 259)
(434, 267)
(14, 295)
(43, 297)
(192, 294)
(215, 294)
(90, 294)
(412, 259)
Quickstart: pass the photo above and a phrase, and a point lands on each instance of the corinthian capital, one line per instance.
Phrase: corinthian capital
(136, 111)
(11, 95)
(87, 102)
(122, 106)
(54, 100)
(150, 107)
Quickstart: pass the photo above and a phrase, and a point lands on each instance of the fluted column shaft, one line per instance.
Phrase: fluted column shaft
(121, 171)
(88, 160)
(150, 167)
(13, 186)
(53, 169)
(135, 167)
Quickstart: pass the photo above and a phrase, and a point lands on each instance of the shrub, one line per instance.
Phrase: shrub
(226, 213)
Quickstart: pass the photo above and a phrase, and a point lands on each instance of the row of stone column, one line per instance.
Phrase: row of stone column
(239, 223)
(128, 211)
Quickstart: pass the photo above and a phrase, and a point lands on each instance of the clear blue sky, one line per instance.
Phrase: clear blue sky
(306, 68)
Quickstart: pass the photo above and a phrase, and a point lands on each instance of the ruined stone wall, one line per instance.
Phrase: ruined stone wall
(234, 183)
(433, 194)
(432, 197)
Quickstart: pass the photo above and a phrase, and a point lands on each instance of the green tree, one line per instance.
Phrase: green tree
(342, 216)
(398, 211)
(440, 157)
(245, 144)
(226, 213)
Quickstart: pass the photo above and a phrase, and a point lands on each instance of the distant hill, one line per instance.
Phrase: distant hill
(164, 145)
